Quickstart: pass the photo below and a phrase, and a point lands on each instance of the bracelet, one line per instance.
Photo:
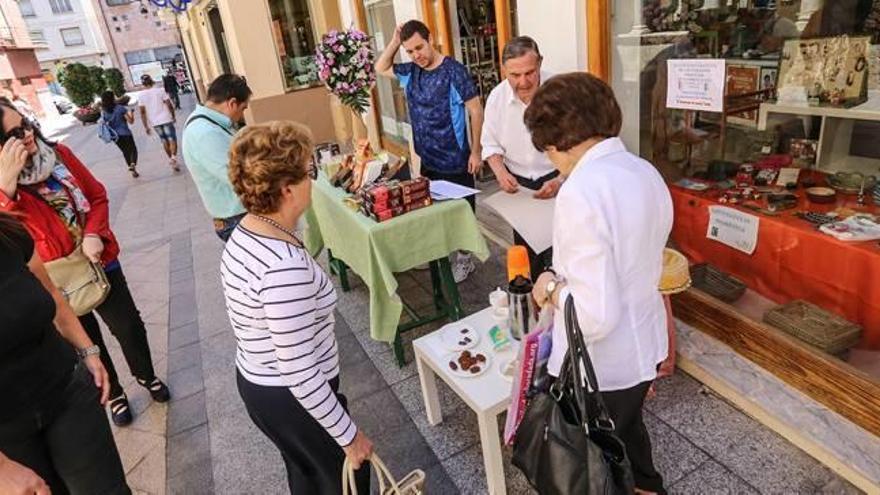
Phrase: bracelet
(92, 350)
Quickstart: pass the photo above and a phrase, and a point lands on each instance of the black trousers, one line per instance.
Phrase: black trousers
(463, 179)
(124, 321)
(625, 408)
(129, 149)
(539, 262)
(69, 445)
(312, 458)
(175, 98)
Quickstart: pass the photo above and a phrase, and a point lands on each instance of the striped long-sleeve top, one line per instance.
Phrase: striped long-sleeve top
(280, 305)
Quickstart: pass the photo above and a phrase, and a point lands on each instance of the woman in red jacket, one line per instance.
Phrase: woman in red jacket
(64, 206)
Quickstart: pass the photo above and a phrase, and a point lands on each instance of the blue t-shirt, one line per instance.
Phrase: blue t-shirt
(116, 120)
(437, 113)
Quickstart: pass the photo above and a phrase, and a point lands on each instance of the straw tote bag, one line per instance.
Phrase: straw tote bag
(411, 484)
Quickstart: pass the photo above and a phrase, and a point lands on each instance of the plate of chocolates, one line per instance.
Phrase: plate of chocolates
(468, 364)
(459, 338)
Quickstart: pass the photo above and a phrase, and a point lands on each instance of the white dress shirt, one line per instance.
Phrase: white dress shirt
(505, 133)
(613, 218)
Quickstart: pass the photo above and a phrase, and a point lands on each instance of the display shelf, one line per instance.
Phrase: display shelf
(835, 131)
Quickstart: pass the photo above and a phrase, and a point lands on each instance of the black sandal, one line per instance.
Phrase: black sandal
(158, 390)
(120, 412)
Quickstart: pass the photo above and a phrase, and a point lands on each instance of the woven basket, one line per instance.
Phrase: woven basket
(815, 326)
(716, 283)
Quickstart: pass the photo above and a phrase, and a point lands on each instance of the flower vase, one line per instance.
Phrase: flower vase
(358, 127)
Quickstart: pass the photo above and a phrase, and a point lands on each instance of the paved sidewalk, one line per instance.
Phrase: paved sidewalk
(203, 441)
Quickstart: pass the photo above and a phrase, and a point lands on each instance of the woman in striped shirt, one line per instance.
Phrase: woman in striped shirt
(280, 305)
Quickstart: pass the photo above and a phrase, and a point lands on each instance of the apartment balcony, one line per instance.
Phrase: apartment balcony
(19, 38)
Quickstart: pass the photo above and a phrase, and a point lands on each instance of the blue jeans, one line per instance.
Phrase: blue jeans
(166, 132)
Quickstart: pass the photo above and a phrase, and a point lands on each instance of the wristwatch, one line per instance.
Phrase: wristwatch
(92, 350)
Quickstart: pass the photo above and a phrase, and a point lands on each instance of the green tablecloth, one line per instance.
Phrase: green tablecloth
(376, 251)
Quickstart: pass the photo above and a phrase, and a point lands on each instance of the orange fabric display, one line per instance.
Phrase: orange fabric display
(793, 260)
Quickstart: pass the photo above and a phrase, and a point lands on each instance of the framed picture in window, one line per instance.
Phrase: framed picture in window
(827, 70)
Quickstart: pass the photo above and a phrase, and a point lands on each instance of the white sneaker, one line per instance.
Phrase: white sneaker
(462, 267)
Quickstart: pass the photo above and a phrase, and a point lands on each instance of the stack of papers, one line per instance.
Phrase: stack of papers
(443, 190)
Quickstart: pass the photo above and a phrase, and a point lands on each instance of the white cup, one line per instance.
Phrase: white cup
(498, 299)
(501, 317)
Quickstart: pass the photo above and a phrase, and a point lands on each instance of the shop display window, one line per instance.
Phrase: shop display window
(294, 37)
(774, 182)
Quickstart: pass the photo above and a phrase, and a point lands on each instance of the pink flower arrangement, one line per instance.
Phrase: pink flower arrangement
(345, 66)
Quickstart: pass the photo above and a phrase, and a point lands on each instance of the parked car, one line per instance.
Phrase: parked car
(62, 104)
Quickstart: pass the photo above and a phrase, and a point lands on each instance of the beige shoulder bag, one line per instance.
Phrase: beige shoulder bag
(411, 484)
(83, 283)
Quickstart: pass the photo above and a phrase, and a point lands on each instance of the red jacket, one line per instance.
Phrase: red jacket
(51, 237)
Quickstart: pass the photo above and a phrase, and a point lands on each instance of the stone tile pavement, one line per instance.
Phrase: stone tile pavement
(203, 441)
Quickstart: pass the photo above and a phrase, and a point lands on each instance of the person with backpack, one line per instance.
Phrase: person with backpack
(207, 136)
(114, 128)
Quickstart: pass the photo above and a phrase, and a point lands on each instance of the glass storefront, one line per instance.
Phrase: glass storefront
(393, 113)
(295, 40)
(788, 145)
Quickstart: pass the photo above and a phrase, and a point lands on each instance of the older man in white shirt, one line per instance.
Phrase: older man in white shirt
(506, 142)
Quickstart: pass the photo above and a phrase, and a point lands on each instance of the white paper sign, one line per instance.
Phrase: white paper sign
(734, 228)
(532, 218)
(695, 84)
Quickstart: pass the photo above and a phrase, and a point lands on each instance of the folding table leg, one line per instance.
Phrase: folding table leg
(490, 441)
(339, 268)
(437, 286)
(454, 309)
(428, 380)
(397, 346)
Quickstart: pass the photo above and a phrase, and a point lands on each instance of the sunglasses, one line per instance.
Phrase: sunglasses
(18, 132)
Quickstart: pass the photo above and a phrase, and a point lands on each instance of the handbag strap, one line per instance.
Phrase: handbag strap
(387, 483)
(579, 364)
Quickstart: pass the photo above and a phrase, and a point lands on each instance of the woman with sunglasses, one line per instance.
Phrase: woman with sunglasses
(65, 208)
(54, 435)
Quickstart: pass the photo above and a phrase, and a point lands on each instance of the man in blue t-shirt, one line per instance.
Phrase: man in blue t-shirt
(440, 93)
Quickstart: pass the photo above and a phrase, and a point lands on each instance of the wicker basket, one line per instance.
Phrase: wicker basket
(716, 283)
(815, 326)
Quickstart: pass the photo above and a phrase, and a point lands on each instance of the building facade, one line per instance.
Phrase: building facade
(65, 31)
(142, 40)
(19, 69)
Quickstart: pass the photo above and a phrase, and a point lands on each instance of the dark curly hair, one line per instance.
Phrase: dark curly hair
(569, 109)
(263, 158)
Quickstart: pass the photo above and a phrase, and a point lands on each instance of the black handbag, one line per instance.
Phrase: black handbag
(565, 443)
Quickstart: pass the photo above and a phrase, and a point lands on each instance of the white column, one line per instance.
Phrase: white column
(639, 26)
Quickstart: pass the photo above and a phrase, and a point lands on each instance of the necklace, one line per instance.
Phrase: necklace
(281, 228)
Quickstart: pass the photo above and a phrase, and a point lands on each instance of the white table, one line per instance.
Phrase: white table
(488, 394)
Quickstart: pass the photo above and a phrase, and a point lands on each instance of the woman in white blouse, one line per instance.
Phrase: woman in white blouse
(280, 305)
(613, 217)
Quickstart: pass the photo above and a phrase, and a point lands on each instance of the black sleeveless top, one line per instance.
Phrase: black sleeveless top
(36, 363)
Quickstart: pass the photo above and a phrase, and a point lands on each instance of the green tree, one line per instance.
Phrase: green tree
(115, 81)
(96, 76)
(79, 84)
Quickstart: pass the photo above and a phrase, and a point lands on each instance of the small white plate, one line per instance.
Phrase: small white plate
(453, 357)
(459, 338)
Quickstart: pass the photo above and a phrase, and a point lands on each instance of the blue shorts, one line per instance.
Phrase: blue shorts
(166, 132)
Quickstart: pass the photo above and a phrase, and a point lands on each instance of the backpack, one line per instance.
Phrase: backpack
(105, 132)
